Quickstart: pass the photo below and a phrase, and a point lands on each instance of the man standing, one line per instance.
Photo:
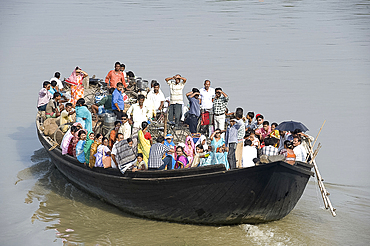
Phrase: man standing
(194, 111)
(219, 108)
(44, 96)
(139, 112)
(156, 97)
(156, 153)
(176, 84)
(251, 124)
(118, 105)
(115, 76)
(231, 142)
(206, 95)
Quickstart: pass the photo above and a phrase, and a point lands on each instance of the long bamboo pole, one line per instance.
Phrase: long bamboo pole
(324, 192)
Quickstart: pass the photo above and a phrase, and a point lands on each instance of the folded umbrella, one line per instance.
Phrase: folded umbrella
(291, 126)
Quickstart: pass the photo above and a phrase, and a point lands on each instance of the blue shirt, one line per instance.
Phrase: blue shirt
(117, 98)
(194, 106)
(232, 133)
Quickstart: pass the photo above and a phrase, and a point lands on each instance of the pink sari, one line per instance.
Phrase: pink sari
(189, 149)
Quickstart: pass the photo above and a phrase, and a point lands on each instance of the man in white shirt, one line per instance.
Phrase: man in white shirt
(156, 97)
(177, 84)
(57, 79)
(139, 112)
(125, 128)
(299, 150)
(206, 95)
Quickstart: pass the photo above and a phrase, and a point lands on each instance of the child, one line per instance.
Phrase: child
(140, 164)
(274, 133)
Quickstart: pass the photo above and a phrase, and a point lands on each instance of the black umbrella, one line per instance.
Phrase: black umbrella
(291, 126)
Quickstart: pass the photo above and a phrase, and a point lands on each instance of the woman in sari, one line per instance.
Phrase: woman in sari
(103, 150)
(87, 146)
(75, 80)
(203, 141)
(113, 133)
(80, 147)
(143, 144)
(189, 148)
(83, 115)
(181, 160)
(94, 149)
(74, 142)
(218, 149)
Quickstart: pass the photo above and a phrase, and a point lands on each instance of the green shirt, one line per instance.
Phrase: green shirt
(107, 102)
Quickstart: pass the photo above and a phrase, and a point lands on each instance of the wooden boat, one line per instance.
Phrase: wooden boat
(204, 195)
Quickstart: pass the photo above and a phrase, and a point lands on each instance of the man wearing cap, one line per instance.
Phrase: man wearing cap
(194, 111)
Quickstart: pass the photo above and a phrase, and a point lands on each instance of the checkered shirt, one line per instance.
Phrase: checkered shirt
(269, 150)
(219, 105)
(155, 155)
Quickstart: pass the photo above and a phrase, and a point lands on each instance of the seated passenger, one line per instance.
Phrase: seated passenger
(288, 152)
(189, 149)
(83, 115)
(274, 133)
(140, 164)
(104, 105)
(181, 160)
(53, 108)
(250, 124)
(200, 157)
(73, 143)
(169, 142)
(269, 148)
(44, 96)
(264, 131)
(219, 148)
(125, 128)
(113, 133)
(259, 123)
(144, 144)
(87, 147)
(67, 139)
(203, 141)
(155, 155)
(80, 147)
(65, 116)
(102, 150)
(249, 153)
(94, 148)
(299, 150)
(305, 139)
(114, 150)
(254, 139)
(125, 157)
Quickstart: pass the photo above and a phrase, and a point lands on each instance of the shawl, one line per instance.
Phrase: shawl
(87, 148)
(205, 146)
(217, 157)
(143, 146)
(80, 151)
(125, 156)
(102, 150)
(75, 141)
(83, 112)
(73, 79)
(181, 162)
(189, 150)
(93, 150)
(65, 142)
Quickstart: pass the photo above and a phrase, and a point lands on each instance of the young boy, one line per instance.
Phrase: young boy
(65, 116)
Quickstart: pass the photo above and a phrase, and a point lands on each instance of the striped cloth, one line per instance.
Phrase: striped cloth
(155, 155)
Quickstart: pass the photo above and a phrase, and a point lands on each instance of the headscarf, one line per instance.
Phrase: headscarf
(73, 79)
(87, 147)
(75, 141)
(189, 150)
(172, 144)
(83, 112)
(205, 146)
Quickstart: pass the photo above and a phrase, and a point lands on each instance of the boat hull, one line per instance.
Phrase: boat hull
(208, 195)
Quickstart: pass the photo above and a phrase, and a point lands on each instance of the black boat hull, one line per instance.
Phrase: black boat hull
(208, 195)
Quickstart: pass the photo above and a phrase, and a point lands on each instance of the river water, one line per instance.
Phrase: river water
(289, 60)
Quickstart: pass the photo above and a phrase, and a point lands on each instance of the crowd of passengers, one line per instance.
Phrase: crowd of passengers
(236, 140)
